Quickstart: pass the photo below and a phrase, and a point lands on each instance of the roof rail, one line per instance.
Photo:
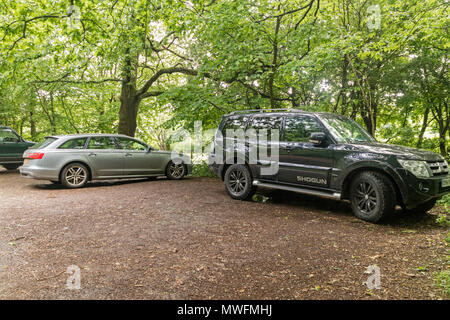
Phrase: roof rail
(264, 110)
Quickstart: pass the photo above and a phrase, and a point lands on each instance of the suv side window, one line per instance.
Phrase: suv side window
(299, 128)
(265, 125)
(74, 144)
(102, 143)
(235, 123)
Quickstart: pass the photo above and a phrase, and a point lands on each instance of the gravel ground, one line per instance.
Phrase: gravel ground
(189, 240)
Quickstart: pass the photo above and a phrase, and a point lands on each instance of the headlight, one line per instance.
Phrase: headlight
(417, 168)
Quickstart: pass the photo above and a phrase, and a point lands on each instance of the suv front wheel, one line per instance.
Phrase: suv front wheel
(239, 182)
(372, 196)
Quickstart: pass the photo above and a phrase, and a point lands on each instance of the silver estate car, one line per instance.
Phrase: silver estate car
(73, 160)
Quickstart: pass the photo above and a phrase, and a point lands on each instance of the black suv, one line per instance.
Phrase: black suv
(326, 155)
(12, 146)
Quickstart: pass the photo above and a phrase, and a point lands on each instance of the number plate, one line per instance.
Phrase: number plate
(445, 182)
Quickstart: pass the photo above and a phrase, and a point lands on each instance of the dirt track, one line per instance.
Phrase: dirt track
(188, 240)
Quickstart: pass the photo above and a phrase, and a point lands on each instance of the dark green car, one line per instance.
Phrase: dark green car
(12, 146)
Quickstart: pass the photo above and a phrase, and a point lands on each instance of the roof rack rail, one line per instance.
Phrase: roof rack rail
(264, 110)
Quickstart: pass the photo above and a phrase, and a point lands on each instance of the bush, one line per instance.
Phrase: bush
(445, 203)
(443, 277)
(201, 170)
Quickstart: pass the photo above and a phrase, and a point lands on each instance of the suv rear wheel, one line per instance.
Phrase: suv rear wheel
(372, 196)
(239, 182)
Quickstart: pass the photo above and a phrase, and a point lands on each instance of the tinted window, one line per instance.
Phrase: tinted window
(236, 123)
(102, 143)
(130, 144)
(7, 135)
(265, 126)
(44, 143)
(299, 129)
(74, 144)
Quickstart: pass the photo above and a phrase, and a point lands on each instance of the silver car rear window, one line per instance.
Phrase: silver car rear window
(78, 143)
(44, 143)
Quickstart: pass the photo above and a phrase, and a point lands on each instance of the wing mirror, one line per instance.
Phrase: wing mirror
(318, 138)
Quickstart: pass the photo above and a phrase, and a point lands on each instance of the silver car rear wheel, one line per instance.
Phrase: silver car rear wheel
(175, 171)
(75, 175)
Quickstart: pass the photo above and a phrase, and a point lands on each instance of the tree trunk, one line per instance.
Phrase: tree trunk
(274, 64)
(32, 125)
(129, 100)
(424, 128)
(369, 118)
(129, 106)
(443, 144)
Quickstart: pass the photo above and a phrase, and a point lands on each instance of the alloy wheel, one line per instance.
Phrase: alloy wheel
(176, 171)
(366, 197)
(76, 176)
(237, 182)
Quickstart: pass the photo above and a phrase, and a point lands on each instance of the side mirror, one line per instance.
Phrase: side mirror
(149, 149)
(318, 138)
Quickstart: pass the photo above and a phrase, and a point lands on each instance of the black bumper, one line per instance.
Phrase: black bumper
(421, 190)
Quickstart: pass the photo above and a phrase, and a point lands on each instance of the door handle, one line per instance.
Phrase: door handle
(128, 155)
(92, 154)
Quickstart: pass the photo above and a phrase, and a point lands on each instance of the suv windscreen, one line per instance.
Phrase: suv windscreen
(345, 130)
(44, 143)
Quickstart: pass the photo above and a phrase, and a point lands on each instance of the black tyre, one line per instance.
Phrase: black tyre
(372, 196)
(239, 182)
(175, 170)
(74, 175)
(11, 166)
(423, 207)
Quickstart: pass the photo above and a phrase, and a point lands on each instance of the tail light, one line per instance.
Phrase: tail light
(35, 155)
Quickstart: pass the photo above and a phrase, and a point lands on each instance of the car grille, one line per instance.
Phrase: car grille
(439, 168)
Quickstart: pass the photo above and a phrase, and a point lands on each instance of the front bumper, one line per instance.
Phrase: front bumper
(421, 190)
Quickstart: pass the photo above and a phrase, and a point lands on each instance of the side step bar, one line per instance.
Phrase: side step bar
(332, 195)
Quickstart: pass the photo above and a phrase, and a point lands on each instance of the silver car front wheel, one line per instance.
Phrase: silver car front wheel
(175, 171)
(75, 175)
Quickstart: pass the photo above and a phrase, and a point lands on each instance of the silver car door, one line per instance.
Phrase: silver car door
(138, 160)
(105, 158)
